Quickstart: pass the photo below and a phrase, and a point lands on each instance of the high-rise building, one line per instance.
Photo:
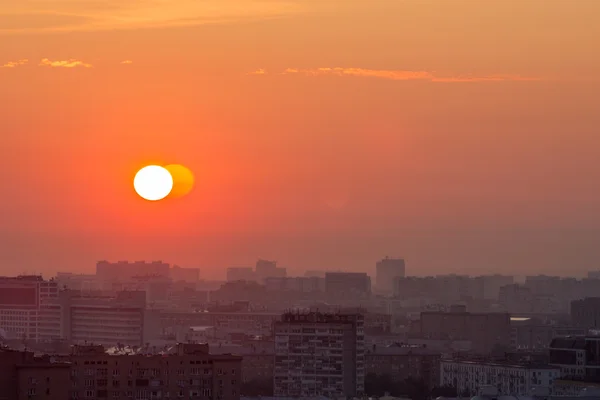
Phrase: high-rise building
(268, 269)
(387, 270)
(319, 354)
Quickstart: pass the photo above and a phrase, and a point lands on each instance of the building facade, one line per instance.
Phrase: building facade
(485, 331)
(318, 354)
(509, 379)
(190, 372)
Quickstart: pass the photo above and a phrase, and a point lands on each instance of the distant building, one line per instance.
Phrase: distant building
(336, 345)
(295, 284)
(570, 355)
(179, 274)
(485, 331)
(124, 270)
(387, 270)
(585, 313)
(240, 274)
(532, 334)
(510, 379)
(268, 269)
(401, 362)
(347, 284)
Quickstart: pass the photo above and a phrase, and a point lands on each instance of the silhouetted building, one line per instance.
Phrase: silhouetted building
(387, 270)
(347, 284)
(485, 331)
(240, 274)
(124, 270)
(179, 274)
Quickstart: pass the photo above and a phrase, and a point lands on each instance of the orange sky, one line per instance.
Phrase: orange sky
(462, 135)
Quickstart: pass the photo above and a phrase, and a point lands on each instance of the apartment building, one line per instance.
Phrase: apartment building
(319, 354)
(509, 379)
(401, 362)
(578, 357)
(23, 376)
(190, 372)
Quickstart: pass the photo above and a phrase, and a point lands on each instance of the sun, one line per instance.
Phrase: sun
(153, 183)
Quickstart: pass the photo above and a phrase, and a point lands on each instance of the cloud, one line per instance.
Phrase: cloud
(71, 63)
(259, 71)
(26, 16)
(127, 62)
(14, 64)
(405, 75)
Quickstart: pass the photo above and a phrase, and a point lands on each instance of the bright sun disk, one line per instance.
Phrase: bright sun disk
(153, 183)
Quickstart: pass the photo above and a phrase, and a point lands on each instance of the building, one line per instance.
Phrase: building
(23, 376)
(585, 313)
(578, 357)
(240, 274)
(268, 269)
(347, 284)
(108, 320)
(125, 271)
(467, 377)
(22, 299)
(401, 362)
(252, 323)
(387, 270)
(485, 331)
(188, 372)
(295, 284)
(179, 274)
(531, 334)
(319, 354)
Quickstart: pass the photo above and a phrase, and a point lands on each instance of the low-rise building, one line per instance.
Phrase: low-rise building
(509, 379)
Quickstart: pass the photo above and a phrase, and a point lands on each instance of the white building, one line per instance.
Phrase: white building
(509, 379)
(319, 354)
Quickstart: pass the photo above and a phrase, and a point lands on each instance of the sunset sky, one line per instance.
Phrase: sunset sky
(325, 134)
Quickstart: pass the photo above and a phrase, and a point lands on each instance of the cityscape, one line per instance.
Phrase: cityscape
(151, 330)
(299, 200)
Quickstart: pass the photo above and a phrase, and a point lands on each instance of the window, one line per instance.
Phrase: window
(89, 393)
(31, 392)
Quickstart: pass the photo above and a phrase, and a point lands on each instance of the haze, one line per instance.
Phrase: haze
(460, 135)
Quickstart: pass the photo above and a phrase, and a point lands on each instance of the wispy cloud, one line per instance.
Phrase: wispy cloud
(406, 75)
(258, 72)
(26, 16)
(14, 64)
(127, 62)
(71, 63)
